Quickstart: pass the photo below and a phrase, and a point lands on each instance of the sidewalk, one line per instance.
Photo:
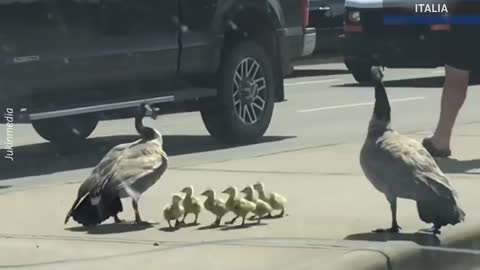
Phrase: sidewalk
(331, 210)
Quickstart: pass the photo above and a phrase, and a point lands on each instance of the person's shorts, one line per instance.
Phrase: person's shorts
(463, 51)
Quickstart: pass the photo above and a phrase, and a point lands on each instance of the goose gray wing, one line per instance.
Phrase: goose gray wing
(100, 174)
(138, 168)
(408, 169)
(103, 170)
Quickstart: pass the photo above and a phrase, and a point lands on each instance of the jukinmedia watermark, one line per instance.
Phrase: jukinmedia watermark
(8, 115)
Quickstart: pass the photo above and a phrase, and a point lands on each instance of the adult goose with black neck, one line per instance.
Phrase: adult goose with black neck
(400, 167)
(127, 170)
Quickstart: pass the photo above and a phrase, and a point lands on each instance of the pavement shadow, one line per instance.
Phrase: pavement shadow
(47, 158)
(423, 239)
(427, 82)
(449, 165)
(188, 225)
(112, 228)
(316, 72)
(170, 229)
(240, 227)
(209, 227)
(273, 217)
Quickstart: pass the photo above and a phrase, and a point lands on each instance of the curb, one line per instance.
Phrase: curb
(392, 256)
(460, 249)
(466, 236)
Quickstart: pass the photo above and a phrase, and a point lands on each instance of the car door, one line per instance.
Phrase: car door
(94, 43)
(117, 41)
(28, 42)
(154, 40)
(197, 36)
(327, 17)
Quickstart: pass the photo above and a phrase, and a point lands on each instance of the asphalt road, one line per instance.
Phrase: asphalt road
(325, 107)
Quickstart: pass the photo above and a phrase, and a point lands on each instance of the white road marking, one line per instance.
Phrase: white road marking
(358, 104)
(440, 71)
(311, 82)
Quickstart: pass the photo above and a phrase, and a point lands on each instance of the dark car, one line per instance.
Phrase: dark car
(67, 64)
(326, 16)
(368, 40)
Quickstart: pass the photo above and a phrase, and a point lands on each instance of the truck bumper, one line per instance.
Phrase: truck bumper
(402, 51)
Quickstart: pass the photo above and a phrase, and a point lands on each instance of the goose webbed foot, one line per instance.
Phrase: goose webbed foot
(218, 221)
(393, 208)
(117, 220)
(243, 222)
(139, 221)
(394, 229)
(183, 219)
(233, 220)
(215, 224)
(178, 223)
(195, 222)
(143, 222)
(433, 230)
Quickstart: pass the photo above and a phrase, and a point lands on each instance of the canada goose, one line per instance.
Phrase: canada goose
(127, 170)
(191, 204)
(400, 167)
(262, 208)
(214, 205)
(239, 206)
(174, 211)
(276, 201)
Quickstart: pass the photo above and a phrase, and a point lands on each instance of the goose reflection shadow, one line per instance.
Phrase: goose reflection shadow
(112, 228)
(423, 239)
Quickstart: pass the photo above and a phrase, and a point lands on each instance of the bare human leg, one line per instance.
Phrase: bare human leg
(453, 96)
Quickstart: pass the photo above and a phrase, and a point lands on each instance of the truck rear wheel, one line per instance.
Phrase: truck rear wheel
(66, 130)
(243, 108)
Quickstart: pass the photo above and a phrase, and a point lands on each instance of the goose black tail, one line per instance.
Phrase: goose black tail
(88, 214)
(440, 212)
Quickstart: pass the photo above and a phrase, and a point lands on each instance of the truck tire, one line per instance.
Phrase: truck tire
(243, 109)
(359, 70)
(66, 131)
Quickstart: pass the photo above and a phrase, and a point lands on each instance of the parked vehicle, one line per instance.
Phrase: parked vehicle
(326, 16)
(71, 63)
(368, 41)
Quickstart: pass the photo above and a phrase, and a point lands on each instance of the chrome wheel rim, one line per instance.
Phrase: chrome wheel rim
(249, 93)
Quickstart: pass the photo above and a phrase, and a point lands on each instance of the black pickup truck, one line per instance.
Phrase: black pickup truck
(371, 40)
(66, 64)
